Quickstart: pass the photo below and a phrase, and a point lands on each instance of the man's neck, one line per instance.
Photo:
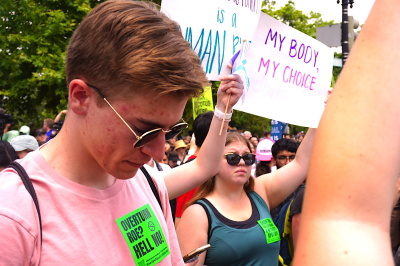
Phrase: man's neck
(74, 163)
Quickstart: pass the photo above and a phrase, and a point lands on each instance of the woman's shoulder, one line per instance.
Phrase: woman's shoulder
(197, 208)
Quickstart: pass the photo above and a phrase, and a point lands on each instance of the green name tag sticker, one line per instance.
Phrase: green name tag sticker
(144, 236)
(270, 230)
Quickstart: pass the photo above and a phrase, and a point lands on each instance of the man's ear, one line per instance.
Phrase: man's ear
(80, 96)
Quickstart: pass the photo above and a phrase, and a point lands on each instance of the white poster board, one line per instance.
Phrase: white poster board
(287, 74)
(214, 28)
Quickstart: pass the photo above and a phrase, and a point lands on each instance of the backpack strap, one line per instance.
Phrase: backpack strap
(29, 186)
(159, 167)
(152, 185)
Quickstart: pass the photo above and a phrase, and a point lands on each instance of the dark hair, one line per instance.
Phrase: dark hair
(284, 145)
(262, 168)
(7, 154)
(4, 120)
(201, 126)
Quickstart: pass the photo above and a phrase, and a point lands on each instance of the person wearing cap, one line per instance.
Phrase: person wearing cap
(24, 130)
(23, 144)
(181, 148)
(264, 157)
(173, 159)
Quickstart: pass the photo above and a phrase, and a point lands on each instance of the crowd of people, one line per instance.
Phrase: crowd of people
(118, 185)
(26, 139)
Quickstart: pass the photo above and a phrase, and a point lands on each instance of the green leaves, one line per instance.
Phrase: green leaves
(33, 39)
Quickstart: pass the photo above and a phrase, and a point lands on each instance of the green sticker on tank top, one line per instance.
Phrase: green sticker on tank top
(270, 230)
(144, 236)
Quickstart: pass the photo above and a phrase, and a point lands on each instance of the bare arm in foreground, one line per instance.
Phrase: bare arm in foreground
(347, 205)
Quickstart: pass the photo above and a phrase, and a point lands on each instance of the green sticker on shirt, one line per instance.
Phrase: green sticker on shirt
(144, 236)
(270, 230)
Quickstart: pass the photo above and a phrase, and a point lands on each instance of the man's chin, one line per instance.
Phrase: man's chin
(124, 175)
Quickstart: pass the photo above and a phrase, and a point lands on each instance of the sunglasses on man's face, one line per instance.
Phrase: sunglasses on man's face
(234, 159)
(147, 136)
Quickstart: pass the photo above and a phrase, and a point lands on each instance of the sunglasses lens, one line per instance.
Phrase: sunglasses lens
(147, 137)
(175, 130)
(232, 159)
(249, 158)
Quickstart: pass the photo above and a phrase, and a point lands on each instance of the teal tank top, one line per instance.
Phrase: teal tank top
(239, 243)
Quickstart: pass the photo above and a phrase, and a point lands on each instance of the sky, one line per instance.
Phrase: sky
(331, 10)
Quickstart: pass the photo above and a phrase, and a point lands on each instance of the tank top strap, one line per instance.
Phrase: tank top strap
(261, 205)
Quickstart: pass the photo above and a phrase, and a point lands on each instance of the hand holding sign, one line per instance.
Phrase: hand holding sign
(229, 92)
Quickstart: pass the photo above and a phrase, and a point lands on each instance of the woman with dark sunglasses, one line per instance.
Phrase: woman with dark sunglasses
(231, 210)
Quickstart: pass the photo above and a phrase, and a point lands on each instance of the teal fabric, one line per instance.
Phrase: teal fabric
(245, 246)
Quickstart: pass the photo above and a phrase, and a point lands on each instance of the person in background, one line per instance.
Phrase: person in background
(264, 158)
(232, 208)
(40, 136)
(180, 148)
(187, 139)
(349, 196)
(24, 130)
(167, 148)
(173, 159)
(267, 135)
(283, 152)
(7, 154)
(9, 132)
(23, 144)
(48, 124)
(254, 141)
(247, 135)
(171, 143)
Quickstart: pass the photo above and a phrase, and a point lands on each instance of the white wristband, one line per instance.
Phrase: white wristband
(220, 115)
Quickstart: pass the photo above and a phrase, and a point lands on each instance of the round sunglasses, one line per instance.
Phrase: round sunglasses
(147, 136)
(234, 159)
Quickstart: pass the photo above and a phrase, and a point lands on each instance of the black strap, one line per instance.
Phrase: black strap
(152, 185)
(159, 167)
(29, 186)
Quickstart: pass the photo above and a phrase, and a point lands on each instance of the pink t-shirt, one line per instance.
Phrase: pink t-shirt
(83, 225)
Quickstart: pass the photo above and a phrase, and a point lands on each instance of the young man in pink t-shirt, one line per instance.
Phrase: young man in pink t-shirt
(129, 74)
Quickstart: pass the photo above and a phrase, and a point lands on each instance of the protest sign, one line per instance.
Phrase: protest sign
(277, 128)
(287, 74)
(203, 103)
(215, 29)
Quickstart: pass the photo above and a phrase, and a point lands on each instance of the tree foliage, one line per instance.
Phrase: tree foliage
(288, 14)
(33, 38)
